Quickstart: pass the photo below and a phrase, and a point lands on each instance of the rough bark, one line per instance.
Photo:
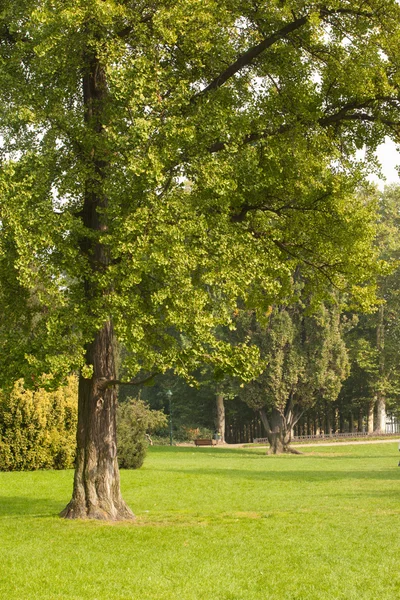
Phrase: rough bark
(220, 417)
(279, 429)
(96, 492)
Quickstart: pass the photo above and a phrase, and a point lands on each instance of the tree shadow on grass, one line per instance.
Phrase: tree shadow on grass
(15, 506)
(310, 453)
(292, 475)
(208, 450)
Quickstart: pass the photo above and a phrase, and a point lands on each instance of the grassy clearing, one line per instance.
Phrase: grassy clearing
(213, 523)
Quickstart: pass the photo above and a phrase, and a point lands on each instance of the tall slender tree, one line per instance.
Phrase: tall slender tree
(107, 108)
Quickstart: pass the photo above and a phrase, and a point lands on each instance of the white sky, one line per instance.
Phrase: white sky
(389, 158)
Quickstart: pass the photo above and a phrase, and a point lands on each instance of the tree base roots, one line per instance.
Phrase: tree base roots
(287, 450)
(79, 510)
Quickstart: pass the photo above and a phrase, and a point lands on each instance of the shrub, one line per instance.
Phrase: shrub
(189, 434)
(135, 420)
(38, 428)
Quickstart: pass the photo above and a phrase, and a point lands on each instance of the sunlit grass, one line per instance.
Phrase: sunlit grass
(214, 523)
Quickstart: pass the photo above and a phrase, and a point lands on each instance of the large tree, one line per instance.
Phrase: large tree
(162, 160)
(305, 361)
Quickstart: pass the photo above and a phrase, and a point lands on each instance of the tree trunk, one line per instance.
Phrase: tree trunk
(328, 425)
(96, 492)
(279, 431)
(380, 402)
(371, 417)
(221, 417)
(380, 414)
(360, 420)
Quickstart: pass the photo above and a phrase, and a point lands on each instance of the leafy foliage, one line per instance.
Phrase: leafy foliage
(213, 181)
(38, 428)
(135, 420)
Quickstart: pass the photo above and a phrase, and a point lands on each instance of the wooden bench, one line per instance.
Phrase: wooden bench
(205, 442)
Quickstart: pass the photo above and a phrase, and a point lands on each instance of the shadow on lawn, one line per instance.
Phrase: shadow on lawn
(13, 506)
(292, 476)
(209, 450)
(306, 453)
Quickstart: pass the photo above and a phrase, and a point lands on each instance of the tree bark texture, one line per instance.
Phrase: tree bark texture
(279, 429)
(96, 492)
(221, 417)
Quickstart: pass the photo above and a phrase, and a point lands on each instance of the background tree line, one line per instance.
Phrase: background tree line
(326, 369)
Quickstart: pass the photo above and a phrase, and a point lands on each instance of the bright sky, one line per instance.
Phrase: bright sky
(389, 158)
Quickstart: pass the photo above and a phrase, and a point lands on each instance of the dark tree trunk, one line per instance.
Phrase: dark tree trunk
(96, 492)
(360, 420)
(279, 429)
(328, 423)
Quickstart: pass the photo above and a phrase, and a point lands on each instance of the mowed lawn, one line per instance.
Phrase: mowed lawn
(214, 524)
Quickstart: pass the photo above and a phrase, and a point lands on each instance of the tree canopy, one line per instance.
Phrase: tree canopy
(266, 145)
(163, 160)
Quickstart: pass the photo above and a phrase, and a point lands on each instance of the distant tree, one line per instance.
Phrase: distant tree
(305, 360)
(374, 341)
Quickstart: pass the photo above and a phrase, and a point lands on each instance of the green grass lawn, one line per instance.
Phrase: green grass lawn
(213, 524)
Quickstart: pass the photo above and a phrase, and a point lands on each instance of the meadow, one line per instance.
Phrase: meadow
(226, 524)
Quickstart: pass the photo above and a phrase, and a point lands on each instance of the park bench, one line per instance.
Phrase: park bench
(205, 442)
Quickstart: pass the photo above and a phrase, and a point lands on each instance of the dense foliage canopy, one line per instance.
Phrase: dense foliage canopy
(215, 180)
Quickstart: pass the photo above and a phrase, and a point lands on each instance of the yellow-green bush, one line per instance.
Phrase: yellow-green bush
(38, 428)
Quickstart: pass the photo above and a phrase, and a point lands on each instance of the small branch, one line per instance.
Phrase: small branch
(319, 268)
(342, 114)
(112, 382)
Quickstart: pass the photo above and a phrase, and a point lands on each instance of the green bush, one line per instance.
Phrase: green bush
(189, 434)
(38, 428)
(135, 420)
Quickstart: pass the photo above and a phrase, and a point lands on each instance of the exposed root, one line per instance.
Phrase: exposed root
(293, 451)
(285, 450)
(78, 510)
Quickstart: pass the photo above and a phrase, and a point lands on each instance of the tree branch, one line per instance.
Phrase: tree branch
(248, 57)
(342, 114)
(252, 53)
(112, 382)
